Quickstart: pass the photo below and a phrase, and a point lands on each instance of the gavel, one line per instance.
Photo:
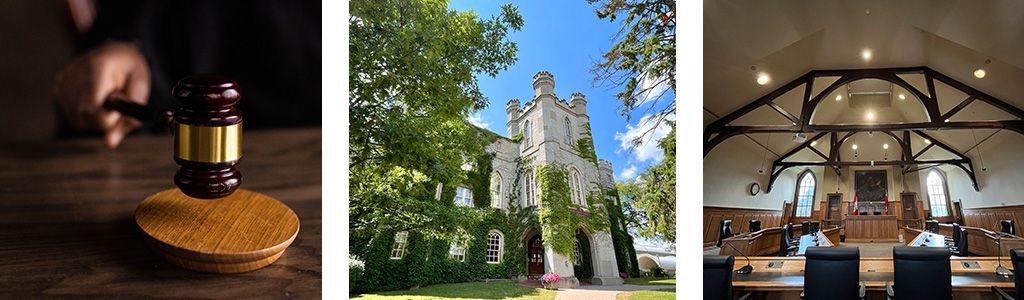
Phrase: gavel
(207, 133)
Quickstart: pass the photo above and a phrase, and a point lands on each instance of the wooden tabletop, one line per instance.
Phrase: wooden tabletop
(787, 273)
(928, 239)
(816, 239)
(67, 227)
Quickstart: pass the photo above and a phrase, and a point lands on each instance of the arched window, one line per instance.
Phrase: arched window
(527, 133)
(528, 188)
(496, 198)
(937, 194)
(495, 247)
(576, 187)
(568, 131)
(805, 194)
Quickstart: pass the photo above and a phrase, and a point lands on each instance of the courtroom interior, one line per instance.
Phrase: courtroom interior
(863, 150)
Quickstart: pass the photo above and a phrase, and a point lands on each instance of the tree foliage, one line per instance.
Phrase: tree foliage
(650, 201)
(643, 60)
(412, 83)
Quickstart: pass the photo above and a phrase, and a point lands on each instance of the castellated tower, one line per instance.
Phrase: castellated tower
(552, 129)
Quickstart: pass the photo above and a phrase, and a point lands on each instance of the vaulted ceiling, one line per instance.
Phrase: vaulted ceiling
(787, 39)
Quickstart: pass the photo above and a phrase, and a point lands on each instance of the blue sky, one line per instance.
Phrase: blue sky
(565, 38)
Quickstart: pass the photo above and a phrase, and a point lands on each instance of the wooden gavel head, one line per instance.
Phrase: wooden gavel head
(207, 136)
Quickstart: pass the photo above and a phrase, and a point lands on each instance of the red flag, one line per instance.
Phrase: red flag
(887, 204)
(855, 208)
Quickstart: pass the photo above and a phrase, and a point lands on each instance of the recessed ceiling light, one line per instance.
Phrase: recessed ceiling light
(927, 141)
(814, 143)
(839, 97)
(865, 54)
(902, 97)
(980, 73)
(870, 116)
(885, 146)
(947, 120)
(854, 146)
(763, 78)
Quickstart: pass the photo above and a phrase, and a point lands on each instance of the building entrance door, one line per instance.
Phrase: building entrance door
(534, 259)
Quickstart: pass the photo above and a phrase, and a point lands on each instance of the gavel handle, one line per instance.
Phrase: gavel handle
(139, 112)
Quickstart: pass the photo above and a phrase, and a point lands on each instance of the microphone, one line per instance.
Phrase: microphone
(745, 269)
(1001, 270)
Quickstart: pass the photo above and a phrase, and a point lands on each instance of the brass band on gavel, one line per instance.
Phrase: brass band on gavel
(208, 144)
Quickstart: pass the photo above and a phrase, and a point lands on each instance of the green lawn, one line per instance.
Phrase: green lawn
(469, 290)
(648, 295)
(651, 281)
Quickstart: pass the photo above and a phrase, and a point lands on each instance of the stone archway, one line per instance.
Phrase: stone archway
(583, 265)
(646, 262)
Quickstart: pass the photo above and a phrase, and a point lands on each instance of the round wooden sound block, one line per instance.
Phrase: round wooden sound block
(241, 232)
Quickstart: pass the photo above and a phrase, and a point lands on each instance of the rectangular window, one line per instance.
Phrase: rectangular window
(398, 250)
(463, 197)
(456, 252)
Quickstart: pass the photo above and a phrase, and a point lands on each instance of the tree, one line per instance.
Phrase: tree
(650, 201)
(412, 75)
(643, 60)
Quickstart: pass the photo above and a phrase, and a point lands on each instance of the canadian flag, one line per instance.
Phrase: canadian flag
(887, 204)
(855, 207)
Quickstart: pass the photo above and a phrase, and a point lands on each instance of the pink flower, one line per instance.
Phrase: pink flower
(550, 278)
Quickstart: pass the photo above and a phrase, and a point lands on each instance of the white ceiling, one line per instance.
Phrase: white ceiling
(787, 39)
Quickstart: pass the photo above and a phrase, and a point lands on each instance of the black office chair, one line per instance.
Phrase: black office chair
(755, 225)
(805, 228)
(931, 226)
(718, 278)
(789, 231)
(786, 246)
(1017, 256)
(1007, 227)
(832, 273)
(954, 239)
(725, 231)
(815, 227)
(961, 248)
(920, 273)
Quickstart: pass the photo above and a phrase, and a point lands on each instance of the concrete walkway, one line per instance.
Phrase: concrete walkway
(603, 292)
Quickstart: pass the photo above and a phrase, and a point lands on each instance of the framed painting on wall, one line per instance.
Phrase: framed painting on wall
(871, 185)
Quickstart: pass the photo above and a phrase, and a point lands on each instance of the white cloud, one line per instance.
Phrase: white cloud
(628, 173)
(648, 136)
(475, 119)
(654, 92)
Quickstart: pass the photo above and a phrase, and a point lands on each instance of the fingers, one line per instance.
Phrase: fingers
(116, 134)
(84, 84)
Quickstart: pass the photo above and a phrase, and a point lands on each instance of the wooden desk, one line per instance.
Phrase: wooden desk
(67, 219)
(817, 239)
(762, 242)
(787, 281)
(928, 239)
(881, 228)
(985, 242)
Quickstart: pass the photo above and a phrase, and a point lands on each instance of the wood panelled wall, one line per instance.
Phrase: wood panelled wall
(740, 220)
(988, 217)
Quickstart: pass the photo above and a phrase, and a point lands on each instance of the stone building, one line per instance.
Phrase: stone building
(550, 130)
(505, 186)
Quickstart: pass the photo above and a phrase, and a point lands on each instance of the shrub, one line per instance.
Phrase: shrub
(657, 272)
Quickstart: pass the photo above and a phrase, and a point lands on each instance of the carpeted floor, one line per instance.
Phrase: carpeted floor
(873, 249)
